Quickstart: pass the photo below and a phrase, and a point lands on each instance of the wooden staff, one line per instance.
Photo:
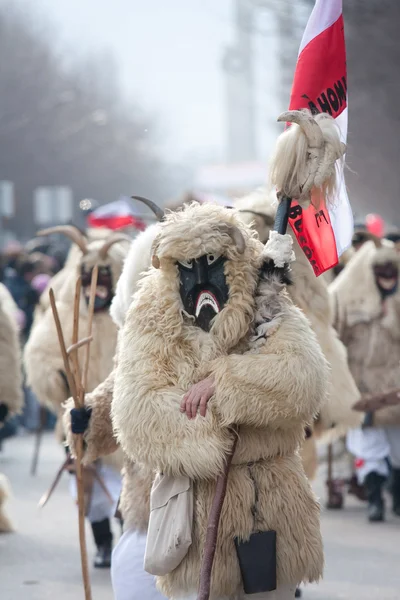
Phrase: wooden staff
(210, 544)
(330, 465)
(38, 439)
(47, 495)
(77, 387)
(67, 463)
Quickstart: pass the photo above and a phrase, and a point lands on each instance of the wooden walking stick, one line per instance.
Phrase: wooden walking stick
(77, 387)
(210, 544)
(68, 462)
(38, 439)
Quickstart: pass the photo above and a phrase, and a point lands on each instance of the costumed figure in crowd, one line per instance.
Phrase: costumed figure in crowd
(44, 364)
(367, 303)
(73, 258)
(311, 294)
(197, 342)
(11, 397)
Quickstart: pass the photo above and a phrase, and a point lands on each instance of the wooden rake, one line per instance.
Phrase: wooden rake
(77, 382)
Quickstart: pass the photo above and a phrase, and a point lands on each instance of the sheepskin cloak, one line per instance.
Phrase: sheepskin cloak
(271, 389)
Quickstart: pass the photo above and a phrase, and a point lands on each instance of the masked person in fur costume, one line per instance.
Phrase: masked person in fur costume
(188, 337)
(45, 367)
(367, 301)
(11, 397)
(311, 295)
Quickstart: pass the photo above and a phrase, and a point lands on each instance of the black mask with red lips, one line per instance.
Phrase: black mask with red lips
(203, 288)
(104, 288)
(386, 278)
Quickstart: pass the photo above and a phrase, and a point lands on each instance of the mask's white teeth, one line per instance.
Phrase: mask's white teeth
(204, 299)
(101, 292)
(387, 284)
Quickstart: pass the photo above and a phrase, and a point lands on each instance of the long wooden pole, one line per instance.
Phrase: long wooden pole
(92, 299)
(76, 390)
(210, 544)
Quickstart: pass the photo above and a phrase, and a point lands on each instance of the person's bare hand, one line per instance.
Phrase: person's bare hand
(196, 398)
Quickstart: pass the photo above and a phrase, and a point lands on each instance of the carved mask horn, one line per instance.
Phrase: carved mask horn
(71, 232)
(110, 241)
(152, 205)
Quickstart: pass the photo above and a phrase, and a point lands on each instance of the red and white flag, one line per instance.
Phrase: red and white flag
(116, 215)
(320, 84)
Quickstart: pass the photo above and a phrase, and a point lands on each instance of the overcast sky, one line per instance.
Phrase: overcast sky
(168, 54)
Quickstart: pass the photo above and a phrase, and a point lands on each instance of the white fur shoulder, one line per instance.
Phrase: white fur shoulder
(136, 263)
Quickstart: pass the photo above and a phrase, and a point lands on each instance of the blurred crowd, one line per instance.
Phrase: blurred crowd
(26, 270)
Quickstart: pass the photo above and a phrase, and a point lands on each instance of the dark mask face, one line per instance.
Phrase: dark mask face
(203, 288)
(104, 288)
(386, 278)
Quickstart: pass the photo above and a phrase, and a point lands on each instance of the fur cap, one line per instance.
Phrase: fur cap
(201, 229)
(355, 291)
(188, 234)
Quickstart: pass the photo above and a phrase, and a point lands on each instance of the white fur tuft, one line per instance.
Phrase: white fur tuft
(279, 248)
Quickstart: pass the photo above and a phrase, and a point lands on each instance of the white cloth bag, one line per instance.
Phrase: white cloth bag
(169, 535)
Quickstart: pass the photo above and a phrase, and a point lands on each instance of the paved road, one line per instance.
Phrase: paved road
(41, 560)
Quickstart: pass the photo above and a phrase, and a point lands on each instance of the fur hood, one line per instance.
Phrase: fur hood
(42, 356)
(355, 295)
(189, 234)
(10, 357)
(63, 282)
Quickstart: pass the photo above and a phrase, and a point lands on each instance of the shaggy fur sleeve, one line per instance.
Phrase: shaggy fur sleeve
(43, 362)
(150, 427)
(10, 359)
(283, 382)
(99, 437)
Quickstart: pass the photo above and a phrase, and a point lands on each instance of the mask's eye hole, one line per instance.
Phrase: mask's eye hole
(187, 264)
(212, 258)
(103, 270)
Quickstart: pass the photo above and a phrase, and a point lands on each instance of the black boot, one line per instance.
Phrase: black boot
(297, 593)
(335, 494)
(395, 489)
(103, 539)
(373, 486)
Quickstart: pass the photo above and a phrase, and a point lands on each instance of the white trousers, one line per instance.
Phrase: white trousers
(129, 579)
(131, 582)
(100, 505)
(283, 592)
(371, 448)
